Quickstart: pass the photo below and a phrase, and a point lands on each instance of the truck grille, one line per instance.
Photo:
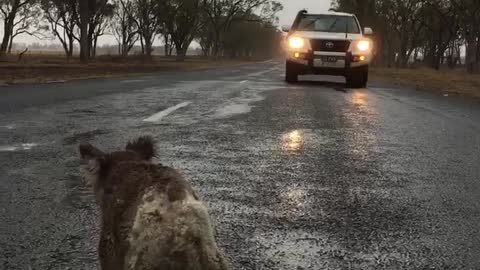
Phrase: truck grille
(325, 45)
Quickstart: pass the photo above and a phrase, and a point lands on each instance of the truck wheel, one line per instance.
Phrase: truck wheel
(358, 77)
(291, 75)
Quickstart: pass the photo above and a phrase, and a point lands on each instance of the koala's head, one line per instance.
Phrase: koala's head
(100, 165)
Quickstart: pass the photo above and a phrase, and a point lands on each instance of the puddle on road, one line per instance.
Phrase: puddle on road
(298, 140)
(293, 141)
(232, 109)
(243, 104)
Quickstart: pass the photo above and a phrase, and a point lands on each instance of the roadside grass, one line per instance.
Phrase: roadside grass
(41, 68)
(444, 81)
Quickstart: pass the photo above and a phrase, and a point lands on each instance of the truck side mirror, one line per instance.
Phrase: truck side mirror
(367, 31)
(286, 28)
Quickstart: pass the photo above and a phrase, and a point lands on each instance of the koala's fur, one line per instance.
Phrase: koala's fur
(151, 217)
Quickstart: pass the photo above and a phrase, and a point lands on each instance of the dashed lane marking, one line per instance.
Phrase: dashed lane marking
(158, 116)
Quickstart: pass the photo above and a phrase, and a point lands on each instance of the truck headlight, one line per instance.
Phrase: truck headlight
(296, 42)
(363, 45)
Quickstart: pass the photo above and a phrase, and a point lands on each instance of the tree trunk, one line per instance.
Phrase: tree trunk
(471, 56)
(216, 44)
(148, 48)
(7, 33)
(167, 44)
(458, 56)
(148, 39)
(70, 47)
(180, 54)
(10, 45)
(142, 44)
(94, 47)
(124, 49)
(402, 58)
(90, 42)
(84, 20)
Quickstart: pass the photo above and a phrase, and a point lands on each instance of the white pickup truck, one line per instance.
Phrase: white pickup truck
(330, 43)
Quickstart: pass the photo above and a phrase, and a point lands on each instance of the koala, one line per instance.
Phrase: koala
(151, 218)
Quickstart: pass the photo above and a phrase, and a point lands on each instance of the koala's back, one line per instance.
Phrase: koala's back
(172, 235)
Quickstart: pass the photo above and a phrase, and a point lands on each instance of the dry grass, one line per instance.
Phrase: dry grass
(444, 81)
(51, 67)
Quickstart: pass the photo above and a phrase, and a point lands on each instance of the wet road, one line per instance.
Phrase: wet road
(309, 176)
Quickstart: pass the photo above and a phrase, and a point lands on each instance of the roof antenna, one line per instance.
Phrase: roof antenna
(346, 26)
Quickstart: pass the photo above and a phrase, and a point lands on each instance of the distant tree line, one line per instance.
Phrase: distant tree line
(221, 27)
(431, 31)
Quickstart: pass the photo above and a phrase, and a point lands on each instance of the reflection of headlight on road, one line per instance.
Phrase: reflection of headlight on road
(293, 141)
(359, 98)
(295, 197)
(363, 45)
(296, 43)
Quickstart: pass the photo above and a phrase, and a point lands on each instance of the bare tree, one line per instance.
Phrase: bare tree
(180, 20)
(470, 25)
(9, 10)
(221, 13)
(28, 22)
(434, 29)
(62, 16)
(124, 27)
(146, 18)
(101, 12)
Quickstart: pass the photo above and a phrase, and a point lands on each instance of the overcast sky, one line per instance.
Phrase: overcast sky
(291, 8)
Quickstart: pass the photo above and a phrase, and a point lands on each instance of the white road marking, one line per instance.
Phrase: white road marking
(261, 72)
(132, 81)
(8, 148)
(12, 148)
(28, 146)
(9, 126)
(158, 116)
(267, 61)
(57, 81)
(242, 82)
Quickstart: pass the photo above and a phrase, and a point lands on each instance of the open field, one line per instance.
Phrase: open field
(43, 68)
(455, 82)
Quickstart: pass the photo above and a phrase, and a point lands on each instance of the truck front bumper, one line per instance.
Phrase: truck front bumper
(327, 63)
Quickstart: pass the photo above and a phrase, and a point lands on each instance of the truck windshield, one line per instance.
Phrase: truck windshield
(328, 23)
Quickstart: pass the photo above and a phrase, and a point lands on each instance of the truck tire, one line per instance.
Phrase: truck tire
(357, 77)
(291, 75)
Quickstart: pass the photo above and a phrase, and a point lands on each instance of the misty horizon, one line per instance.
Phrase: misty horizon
(286, 16)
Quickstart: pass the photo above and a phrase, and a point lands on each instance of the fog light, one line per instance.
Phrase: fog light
(362, 58)
(297, 55)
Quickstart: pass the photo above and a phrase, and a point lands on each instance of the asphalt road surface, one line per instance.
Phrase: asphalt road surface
(305, 176)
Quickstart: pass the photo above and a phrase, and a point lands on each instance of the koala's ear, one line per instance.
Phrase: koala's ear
(95, 157)
(89, 152)
(144, 146)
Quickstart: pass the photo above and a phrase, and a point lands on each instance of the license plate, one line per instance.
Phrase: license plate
(329, 59)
